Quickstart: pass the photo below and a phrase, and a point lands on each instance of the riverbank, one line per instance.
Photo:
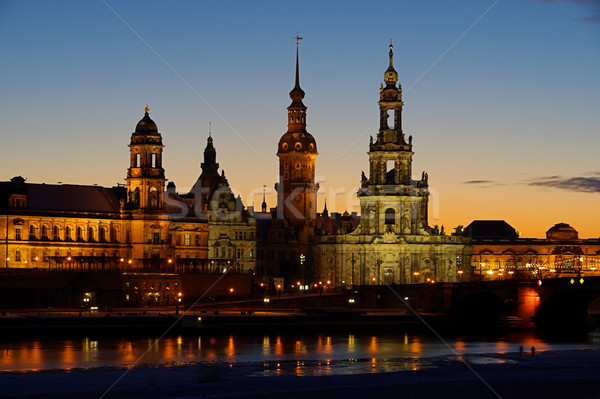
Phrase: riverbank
(557, 374)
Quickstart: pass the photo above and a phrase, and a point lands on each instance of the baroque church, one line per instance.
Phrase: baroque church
(393, 242)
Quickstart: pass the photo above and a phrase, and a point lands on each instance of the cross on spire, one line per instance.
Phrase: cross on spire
(298, 38)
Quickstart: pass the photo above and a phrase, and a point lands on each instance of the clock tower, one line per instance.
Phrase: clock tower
(390, 200)
(297, 150)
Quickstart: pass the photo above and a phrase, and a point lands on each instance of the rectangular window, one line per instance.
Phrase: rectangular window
(156, 238)
(17, 233)
(186, 240)
(197, 240)
(154, 163)
(136, 163)
(17, 256)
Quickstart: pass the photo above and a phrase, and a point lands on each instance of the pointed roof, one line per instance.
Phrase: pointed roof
(391, 76)
(297, 94)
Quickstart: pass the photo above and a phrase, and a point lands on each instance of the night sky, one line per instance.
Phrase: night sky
(501, 97)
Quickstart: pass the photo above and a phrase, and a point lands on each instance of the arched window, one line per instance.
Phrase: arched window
(135, 197)
(55, 233)
(102, 234)
(44, 232)
(91, 234)
(32, 232)
(153, 198)
(390, 216)
(67, 233)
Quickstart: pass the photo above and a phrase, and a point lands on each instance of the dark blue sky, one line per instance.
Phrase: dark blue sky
(505, 92)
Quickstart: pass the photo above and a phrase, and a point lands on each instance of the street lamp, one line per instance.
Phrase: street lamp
(179, 295)
(351, 302)
(460, 275)
(302, 259)
(266, 301)
(416, 274)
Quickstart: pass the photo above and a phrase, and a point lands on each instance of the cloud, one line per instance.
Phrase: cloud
(594, 19)
(581, 184)
(479, 182)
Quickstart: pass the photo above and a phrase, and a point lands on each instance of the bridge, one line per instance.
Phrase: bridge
(557, 306)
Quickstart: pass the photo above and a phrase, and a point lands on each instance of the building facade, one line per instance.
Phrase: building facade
(393, 243)
(78, 227)
(499, 253)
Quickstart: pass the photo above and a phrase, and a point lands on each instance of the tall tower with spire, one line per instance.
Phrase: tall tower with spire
(390, 198)
(393, 243)
(297, 150)
(208, 179)
(145, 175)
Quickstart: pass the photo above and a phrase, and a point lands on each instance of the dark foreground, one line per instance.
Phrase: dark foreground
(568, 374)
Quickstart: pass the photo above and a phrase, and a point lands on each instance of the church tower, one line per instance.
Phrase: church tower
(208, 179)
(390, 200)
(297, 150)
(145, 175)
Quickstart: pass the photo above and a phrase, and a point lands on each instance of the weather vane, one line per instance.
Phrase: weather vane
(298, 38)
(147, 109)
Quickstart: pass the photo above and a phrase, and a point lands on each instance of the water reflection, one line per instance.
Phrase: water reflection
(284, 354)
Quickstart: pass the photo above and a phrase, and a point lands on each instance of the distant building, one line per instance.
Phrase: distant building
(499, 253)
(393, 243)
(231, 229)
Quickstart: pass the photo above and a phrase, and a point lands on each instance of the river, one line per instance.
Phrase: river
(337, 353)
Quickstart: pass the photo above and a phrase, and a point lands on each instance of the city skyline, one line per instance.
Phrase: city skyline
(503, 119)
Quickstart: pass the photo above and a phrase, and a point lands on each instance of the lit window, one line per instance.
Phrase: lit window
(186, 240)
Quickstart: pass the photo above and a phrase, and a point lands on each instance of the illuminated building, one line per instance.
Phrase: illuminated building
(231, 230)
(79, 227)
(393, 242)
(499, 253)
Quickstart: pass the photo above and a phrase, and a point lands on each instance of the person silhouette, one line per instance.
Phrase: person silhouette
(532, 351)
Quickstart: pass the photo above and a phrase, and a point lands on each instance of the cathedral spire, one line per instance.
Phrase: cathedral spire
(297, 109)
(391, 76)
(263, 206)
(297, 94)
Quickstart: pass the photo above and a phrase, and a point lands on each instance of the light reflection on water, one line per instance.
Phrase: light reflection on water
(300, 354)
